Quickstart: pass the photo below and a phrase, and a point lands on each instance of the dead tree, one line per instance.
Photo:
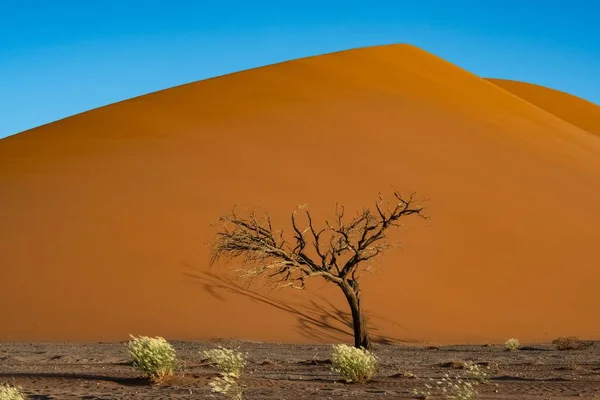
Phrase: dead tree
(337, 253)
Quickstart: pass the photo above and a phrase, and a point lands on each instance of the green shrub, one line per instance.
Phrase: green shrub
(8, 392)
(154, 357)
(512, 344)
(228, 362)
(353, 364)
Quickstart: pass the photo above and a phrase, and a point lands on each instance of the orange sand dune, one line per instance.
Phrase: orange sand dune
(575, 110)
(104, 215)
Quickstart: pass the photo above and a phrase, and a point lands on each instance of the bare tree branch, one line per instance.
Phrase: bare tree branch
(351, 242)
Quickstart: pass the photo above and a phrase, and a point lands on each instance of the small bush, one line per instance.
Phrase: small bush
(458, 388)
(228, 386)
(154, 357)
(353, 364)
(512, 344)
(476, 372)
(8, 392)
(570, 343)
(228, 362)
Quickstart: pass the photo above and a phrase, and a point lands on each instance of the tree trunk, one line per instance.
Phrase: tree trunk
(351, 290)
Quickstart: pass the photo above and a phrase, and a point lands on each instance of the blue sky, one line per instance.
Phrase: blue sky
(61, 57)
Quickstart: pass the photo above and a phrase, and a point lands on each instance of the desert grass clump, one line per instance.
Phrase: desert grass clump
(154, 358)
(227, 385)
(570, 343)
(460, 387)
(229, 362)
(512, 344)
(457, 388)
(476, 373)
(8, 392)
(353, 364)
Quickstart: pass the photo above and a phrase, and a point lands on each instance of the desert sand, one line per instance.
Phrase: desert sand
(104, 216)
(301, 371)
(575, 110)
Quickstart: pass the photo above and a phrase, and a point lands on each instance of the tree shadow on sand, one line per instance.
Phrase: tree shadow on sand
(319, 321)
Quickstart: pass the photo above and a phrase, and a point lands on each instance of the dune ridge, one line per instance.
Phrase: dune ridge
(105, 214)
(573, 109)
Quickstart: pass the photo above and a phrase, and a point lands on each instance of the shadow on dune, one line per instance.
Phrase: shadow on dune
(320, 320)
(75, 376)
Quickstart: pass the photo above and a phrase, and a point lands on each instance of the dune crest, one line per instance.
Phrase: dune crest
(105, 214)
(575, 110)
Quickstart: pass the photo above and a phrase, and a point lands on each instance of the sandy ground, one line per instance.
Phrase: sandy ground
(277, 371)
(104, 216)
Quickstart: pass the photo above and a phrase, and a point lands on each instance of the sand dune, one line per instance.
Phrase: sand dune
(579, 112)
(104, 215)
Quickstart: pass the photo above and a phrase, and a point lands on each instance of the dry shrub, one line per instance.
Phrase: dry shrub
(512, 344)
(231, 364)
(476, 372)
(154, 357)
(8, 392)
(227, 385)
(460, 387)
(227, 361)
(353, 364)
(570, 343)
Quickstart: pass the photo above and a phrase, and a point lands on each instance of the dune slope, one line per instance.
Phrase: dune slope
(105, 214)
(575, 110)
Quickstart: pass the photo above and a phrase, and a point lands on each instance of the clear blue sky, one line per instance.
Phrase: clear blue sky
(60, 57)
